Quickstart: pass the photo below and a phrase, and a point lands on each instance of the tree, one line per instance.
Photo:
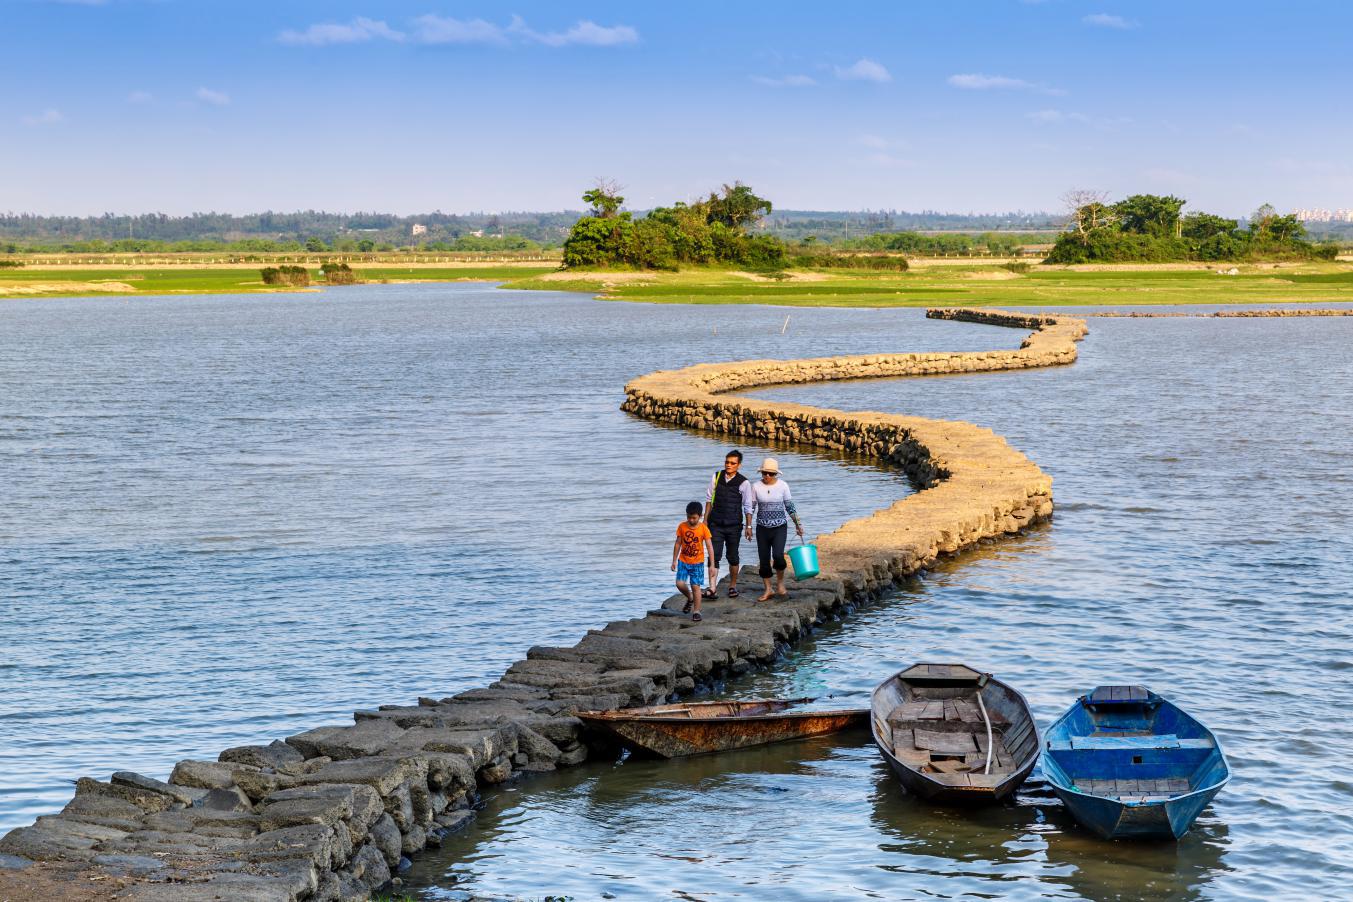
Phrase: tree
(737, 207)
(1149, 214)
(1202, 226)
(1086, 211)
(604, 198)
(315, 245)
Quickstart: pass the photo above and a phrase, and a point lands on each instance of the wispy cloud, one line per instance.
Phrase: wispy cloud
(212, 97)
(1105, 20)
(976, 81)
(786, 81)
(1056, 116)
(48, 116)
(448, 30)
(584, 33)
(139, 97)
(864, 70)
(359, 30)
(434, 29)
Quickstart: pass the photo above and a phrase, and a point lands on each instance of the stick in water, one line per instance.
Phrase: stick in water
(785, 326)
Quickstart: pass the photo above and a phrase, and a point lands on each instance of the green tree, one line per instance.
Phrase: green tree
(315, 245)
(1202, 226)
(737, 207)
(1149, 214)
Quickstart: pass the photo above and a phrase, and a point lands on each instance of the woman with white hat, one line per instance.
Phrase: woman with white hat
(774, 508)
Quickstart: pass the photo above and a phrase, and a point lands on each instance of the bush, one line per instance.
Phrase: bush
(1016, 266)
(291, 276)
(338, 273)
(10, 264)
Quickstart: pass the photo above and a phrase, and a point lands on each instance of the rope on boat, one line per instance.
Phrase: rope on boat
(987, 720)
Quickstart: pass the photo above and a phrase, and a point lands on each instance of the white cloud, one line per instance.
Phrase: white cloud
(787, 81)
(889, 161)
(1105, 20)
(975, 81)
(434, 29)
(1046, 115)
(585, 32)
(215, 98)
(873, 141)
(1099, 122)
(864, 70)
(139, 97)
(358, 31)
(48, 116)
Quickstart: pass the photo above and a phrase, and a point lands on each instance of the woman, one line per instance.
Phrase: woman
(773, 508)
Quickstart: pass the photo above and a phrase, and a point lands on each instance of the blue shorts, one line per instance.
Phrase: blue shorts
(691, 574)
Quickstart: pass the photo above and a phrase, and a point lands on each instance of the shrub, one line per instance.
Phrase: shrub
(292, 276)
(10, 264)
(338, 273)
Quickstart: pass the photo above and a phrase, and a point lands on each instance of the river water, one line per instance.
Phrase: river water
(229, 518)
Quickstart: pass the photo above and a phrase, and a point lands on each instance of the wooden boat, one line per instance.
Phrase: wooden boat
(953, 735)
(697, 728)
(1128, 763)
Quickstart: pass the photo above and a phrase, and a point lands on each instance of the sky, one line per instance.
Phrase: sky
(177, 106)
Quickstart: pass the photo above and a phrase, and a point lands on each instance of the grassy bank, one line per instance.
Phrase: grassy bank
(971, 285)
(60, 281)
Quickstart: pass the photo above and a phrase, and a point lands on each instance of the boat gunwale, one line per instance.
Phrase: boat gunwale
(1053, 775)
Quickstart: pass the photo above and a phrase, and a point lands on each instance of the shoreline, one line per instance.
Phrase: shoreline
(328, 813)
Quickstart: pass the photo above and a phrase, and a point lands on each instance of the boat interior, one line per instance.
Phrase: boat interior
(936, 725)
(1129, 744)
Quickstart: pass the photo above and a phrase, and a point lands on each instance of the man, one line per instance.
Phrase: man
(727, 503)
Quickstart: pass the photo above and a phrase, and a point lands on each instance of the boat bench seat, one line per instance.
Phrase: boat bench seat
(1127, 743)
(1135, 790)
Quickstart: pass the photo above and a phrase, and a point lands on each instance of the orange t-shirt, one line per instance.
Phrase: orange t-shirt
(692, 542)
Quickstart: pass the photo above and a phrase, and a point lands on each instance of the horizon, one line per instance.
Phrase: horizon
(403, 106)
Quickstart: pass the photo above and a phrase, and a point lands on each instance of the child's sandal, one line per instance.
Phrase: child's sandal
(696, 618)
(689, 605)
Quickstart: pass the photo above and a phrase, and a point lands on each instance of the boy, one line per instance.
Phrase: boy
(688, 558)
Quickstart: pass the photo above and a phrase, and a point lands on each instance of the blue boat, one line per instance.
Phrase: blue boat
(1130, 765)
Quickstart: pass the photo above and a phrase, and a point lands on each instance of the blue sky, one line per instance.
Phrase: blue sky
(178, 106)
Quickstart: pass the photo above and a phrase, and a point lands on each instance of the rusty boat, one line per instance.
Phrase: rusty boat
(954, 735)
(699, 728)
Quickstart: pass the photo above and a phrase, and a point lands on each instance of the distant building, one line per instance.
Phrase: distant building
(1323, 215)
(418, 229)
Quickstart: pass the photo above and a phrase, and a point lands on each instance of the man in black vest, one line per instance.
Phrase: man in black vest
(727, 504)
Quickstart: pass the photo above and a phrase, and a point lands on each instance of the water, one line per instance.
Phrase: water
(230, 518)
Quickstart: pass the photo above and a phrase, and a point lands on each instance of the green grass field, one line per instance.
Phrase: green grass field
(62, 282)
(976, 286)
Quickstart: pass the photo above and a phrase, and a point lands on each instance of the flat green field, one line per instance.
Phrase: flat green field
(187, 279)
(973, 285)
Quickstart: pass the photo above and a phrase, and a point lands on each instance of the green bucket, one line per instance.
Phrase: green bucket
(804, 560)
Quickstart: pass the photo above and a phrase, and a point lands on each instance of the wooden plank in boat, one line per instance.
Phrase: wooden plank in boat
(934, 710)
(944, 743)
(950, 767)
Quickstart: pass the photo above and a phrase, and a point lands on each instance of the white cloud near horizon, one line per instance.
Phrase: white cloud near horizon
(214, 98)
(434, 29)
(976, 81)
(359, 30)
(787, 81)
(864, 69)
(1106, 20)
(49, 116)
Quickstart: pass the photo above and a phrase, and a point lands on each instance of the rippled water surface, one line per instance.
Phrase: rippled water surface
(227, 519)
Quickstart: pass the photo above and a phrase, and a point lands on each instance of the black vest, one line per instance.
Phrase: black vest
(727, 507)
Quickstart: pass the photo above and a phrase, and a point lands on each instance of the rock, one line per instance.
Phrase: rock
(367, 737)
(205, 821)
(149, 785)
(519, 760)
(275, 755)
(370, 866)
(497, 771)
(573, 757)
(55, 838)
(14, 862)
(216, 888)
(382, 774)
(399, 805)
(258, 786)
(455, 821)
(206, 774)
(107, 811)
(129, 865)
(386, 837)
(327, 811)
(535, 747)
(312, 842)
(143, 800)
(232, 798)
(415, 839)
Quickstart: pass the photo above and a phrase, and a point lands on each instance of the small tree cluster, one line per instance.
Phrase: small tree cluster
(291, 276)
(708, 231)
(338, 273)
(1149, 228)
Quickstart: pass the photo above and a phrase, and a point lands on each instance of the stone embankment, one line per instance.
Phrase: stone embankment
(334, 812)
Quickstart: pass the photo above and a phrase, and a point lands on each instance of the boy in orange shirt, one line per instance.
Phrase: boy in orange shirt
(692, 544)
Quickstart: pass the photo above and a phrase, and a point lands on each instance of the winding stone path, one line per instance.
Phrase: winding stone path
(331, 813)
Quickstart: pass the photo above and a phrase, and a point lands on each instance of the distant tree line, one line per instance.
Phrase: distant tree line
(713, 230)
(1149, 228)
(996, 243)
